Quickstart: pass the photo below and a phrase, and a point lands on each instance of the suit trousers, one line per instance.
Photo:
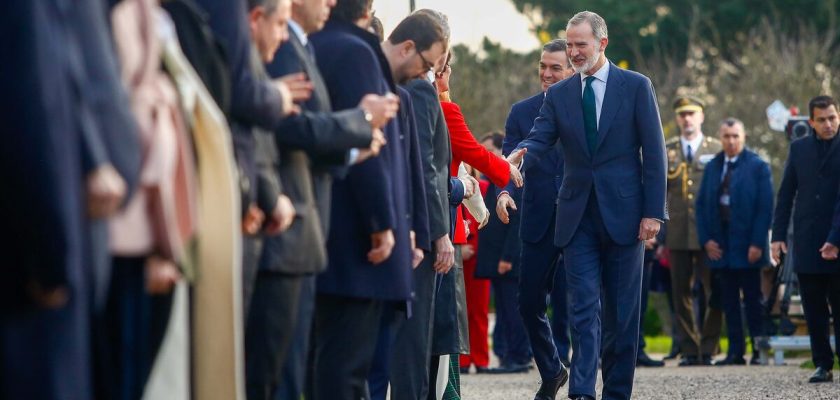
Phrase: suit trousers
(542, 274)
(251, 250)
(411, 350)
(508, 318)
(604, 281)
(346, 330)
(296, 367)
(135, 323)
(478, 304)
(269, 331)
(732, 282)
(392, 315)
(696, 341)
(819, 291)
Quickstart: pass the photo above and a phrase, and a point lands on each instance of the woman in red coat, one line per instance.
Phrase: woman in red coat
(466, 149)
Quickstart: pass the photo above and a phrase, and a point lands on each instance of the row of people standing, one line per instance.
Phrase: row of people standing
(334, 185)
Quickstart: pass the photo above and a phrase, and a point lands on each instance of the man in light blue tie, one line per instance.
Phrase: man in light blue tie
(611, 200)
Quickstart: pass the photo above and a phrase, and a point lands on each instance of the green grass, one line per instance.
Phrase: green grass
(662, 345)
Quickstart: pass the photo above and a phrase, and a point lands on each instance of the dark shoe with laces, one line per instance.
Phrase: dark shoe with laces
(549, 388)
(643, 360)
(465, 370)
(821, 375)
(482, 370)
(509, 369)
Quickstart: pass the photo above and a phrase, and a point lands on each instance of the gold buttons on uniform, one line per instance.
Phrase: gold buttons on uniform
(690, 196)
(690, 182)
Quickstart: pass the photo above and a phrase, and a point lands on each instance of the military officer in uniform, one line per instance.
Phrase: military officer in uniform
(688, 155)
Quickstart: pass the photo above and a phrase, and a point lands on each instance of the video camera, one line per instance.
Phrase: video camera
(797, 127)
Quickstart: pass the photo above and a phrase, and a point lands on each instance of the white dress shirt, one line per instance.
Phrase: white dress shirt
(297, 30)
(694, 143)
(599, 86)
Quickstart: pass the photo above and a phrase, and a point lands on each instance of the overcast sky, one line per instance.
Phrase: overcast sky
(470, 21)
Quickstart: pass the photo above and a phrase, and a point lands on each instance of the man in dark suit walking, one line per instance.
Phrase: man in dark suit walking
(542, 266)
(808, 190)
(611, 199)
(734, 208)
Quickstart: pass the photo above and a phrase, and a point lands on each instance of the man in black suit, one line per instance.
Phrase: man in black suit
(809, 188)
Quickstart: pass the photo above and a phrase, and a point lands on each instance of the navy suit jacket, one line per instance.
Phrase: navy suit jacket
(809, 182)
(751, 208)
(626, 170)
(542, 182)
(497, 241)
(373, 197)
(312, 145)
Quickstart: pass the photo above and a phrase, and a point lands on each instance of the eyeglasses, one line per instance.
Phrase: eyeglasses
(428, 66)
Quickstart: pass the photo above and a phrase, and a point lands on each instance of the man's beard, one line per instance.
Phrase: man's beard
(590, 62)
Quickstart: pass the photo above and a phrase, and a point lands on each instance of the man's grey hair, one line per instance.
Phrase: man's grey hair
(555, 46)
(732, 121)
(599, 26)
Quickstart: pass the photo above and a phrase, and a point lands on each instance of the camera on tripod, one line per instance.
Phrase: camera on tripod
(797, 127)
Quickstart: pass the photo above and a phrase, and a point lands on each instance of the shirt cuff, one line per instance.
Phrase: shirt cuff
(354, 155)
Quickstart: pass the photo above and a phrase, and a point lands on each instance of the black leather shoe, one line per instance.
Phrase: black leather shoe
(675, 351)
(705, 361)
(821, 375)
(465, 370)
(689, 361)
(755, 360)
(548, 389)
(643, 360)
(582, 398)
(482, 370)
(731, 361)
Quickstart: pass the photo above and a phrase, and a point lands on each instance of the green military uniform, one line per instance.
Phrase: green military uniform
(687, 256)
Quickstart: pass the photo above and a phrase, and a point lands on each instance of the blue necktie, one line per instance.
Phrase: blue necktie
(590, 115)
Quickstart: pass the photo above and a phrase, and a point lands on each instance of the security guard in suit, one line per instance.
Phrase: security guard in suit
(688, 155)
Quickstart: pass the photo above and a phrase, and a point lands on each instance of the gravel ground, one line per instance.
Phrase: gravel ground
(672, 382)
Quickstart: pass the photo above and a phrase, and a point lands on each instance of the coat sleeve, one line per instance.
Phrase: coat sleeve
(321, 132)
(512, 244)
(654, 162)
(468, 150)
(784, 199)
(702, 208)
(543, 135)
(764, 206)
(419, 208)
(427, 116)
(369, 180)
(254, 101)
(834, 233)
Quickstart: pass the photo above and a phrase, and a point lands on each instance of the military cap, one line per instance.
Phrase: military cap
(688, 103)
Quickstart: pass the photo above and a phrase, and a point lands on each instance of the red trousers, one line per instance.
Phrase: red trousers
(478, 304)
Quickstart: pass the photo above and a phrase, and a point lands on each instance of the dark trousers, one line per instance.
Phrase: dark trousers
(392, 316)
(732, 282)
(136, 324)
(517, 348)
(537, 280)
(604, 281)
(688, 266)
(411, 355)
(646, 272)
(251, 251)
(296, 366)
(346, 331)
(819, 291)
(269, 330)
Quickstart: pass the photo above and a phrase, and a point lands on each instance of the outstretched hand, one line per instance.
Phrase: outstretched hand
(515, 161)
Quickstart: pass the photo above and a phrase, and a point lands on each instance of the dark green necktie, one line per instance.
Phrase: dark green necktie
(590, 116)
